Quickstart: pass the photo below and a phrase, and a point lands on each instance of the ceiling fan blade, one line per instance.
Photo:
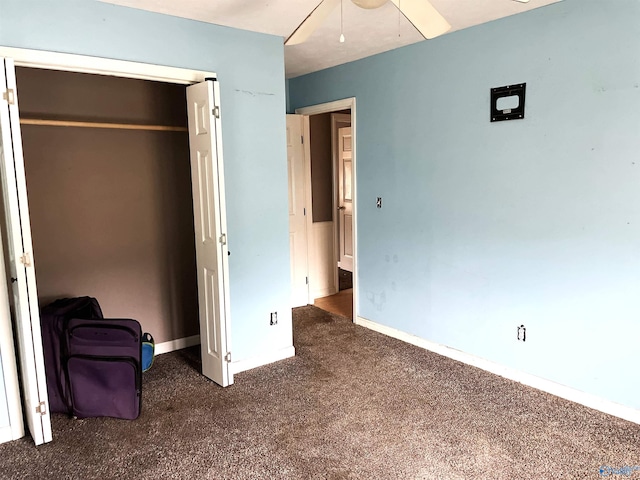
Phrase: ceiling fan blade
(313, 21)
(424, 17)
(522, 1)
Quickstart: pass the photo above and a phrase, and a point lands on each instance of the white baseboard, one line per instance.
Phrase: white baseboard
(322, 293)
(259, 361)
(236, 367)
(180, 343)
(568, 393)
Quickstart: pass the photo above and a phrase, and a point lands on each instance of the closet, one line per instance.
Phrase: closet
(97, 172)
(109, 187)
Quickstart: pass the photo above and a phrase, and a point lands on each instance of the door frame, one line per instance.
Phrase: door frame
(117, 68)
(336, 120)
(334, 107)
(103, 66)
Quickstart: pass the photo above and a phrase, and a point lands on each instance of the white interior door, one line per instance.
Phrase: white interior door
(297, 212)
(207, 179)
(21, 262)
(9, 370)
(345, 198)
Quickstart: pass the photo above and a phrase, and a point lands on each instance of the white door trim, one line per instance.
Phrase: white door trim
(347, 103)
(103, 66)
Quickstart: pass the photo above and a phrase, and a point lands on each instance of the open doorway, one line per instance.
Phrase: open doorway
(331, 194)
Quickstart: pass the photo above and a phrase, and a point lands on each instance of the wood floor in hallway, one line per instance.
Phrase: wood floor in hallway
(341, 303)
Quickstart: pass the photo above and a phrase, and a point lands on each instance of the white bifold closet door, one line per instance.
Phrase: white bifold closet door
(20, 266)
(207, 180)
(211, 246)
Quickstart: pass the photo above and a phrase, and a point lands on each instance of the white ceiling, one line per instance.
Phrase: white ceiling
(367, 32)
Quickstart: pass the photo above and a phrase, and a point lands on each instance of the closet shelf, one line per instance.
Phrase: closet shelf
(118, 126)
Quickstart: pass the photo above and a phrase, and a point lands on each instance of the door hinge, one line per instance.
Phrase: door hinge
(306, 280)
(216, 112)
(304, 212)
(25, 259)
(41, 408)
(223, 239)
(302, 139)
(227, 357)
(10, 96)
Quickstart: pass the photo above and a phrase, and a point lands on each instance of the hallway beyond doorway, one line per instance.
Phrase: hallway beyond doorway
(341, 303)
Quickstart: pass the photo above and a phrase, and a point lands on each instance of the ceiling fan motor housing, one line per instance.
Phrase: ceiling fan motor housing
(369, 4)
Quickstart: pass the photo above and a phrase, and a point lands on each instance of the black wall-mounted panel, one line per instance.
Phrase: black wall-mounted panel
(515, 113)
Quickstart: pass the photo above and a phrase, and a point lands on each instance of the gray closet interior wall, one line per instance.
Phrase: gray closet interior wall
(111, 210)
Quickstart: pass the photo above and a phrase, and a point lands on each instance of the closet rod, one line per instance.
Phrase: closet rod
(119, 126)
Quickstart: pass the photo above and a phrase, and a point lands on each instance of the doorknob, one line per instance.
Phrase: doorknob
(342, 207)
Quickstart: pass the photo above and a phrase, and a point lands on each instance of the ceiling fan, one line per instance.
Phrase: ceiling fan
(422, 15)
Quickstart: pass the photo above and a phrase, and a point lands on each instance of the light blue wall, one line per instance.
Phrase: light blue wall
(250, 69)
(486, 226)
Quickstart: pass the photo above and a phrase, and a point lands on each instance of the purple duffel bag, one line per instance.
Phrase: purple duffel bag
(53, 321)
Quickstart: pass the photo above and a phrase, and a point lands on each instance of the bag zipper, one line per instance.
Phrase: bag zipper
(104, 325)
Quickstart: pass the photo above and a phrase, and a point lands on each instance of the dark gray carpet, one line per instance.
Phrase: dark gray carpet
(352, 404)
